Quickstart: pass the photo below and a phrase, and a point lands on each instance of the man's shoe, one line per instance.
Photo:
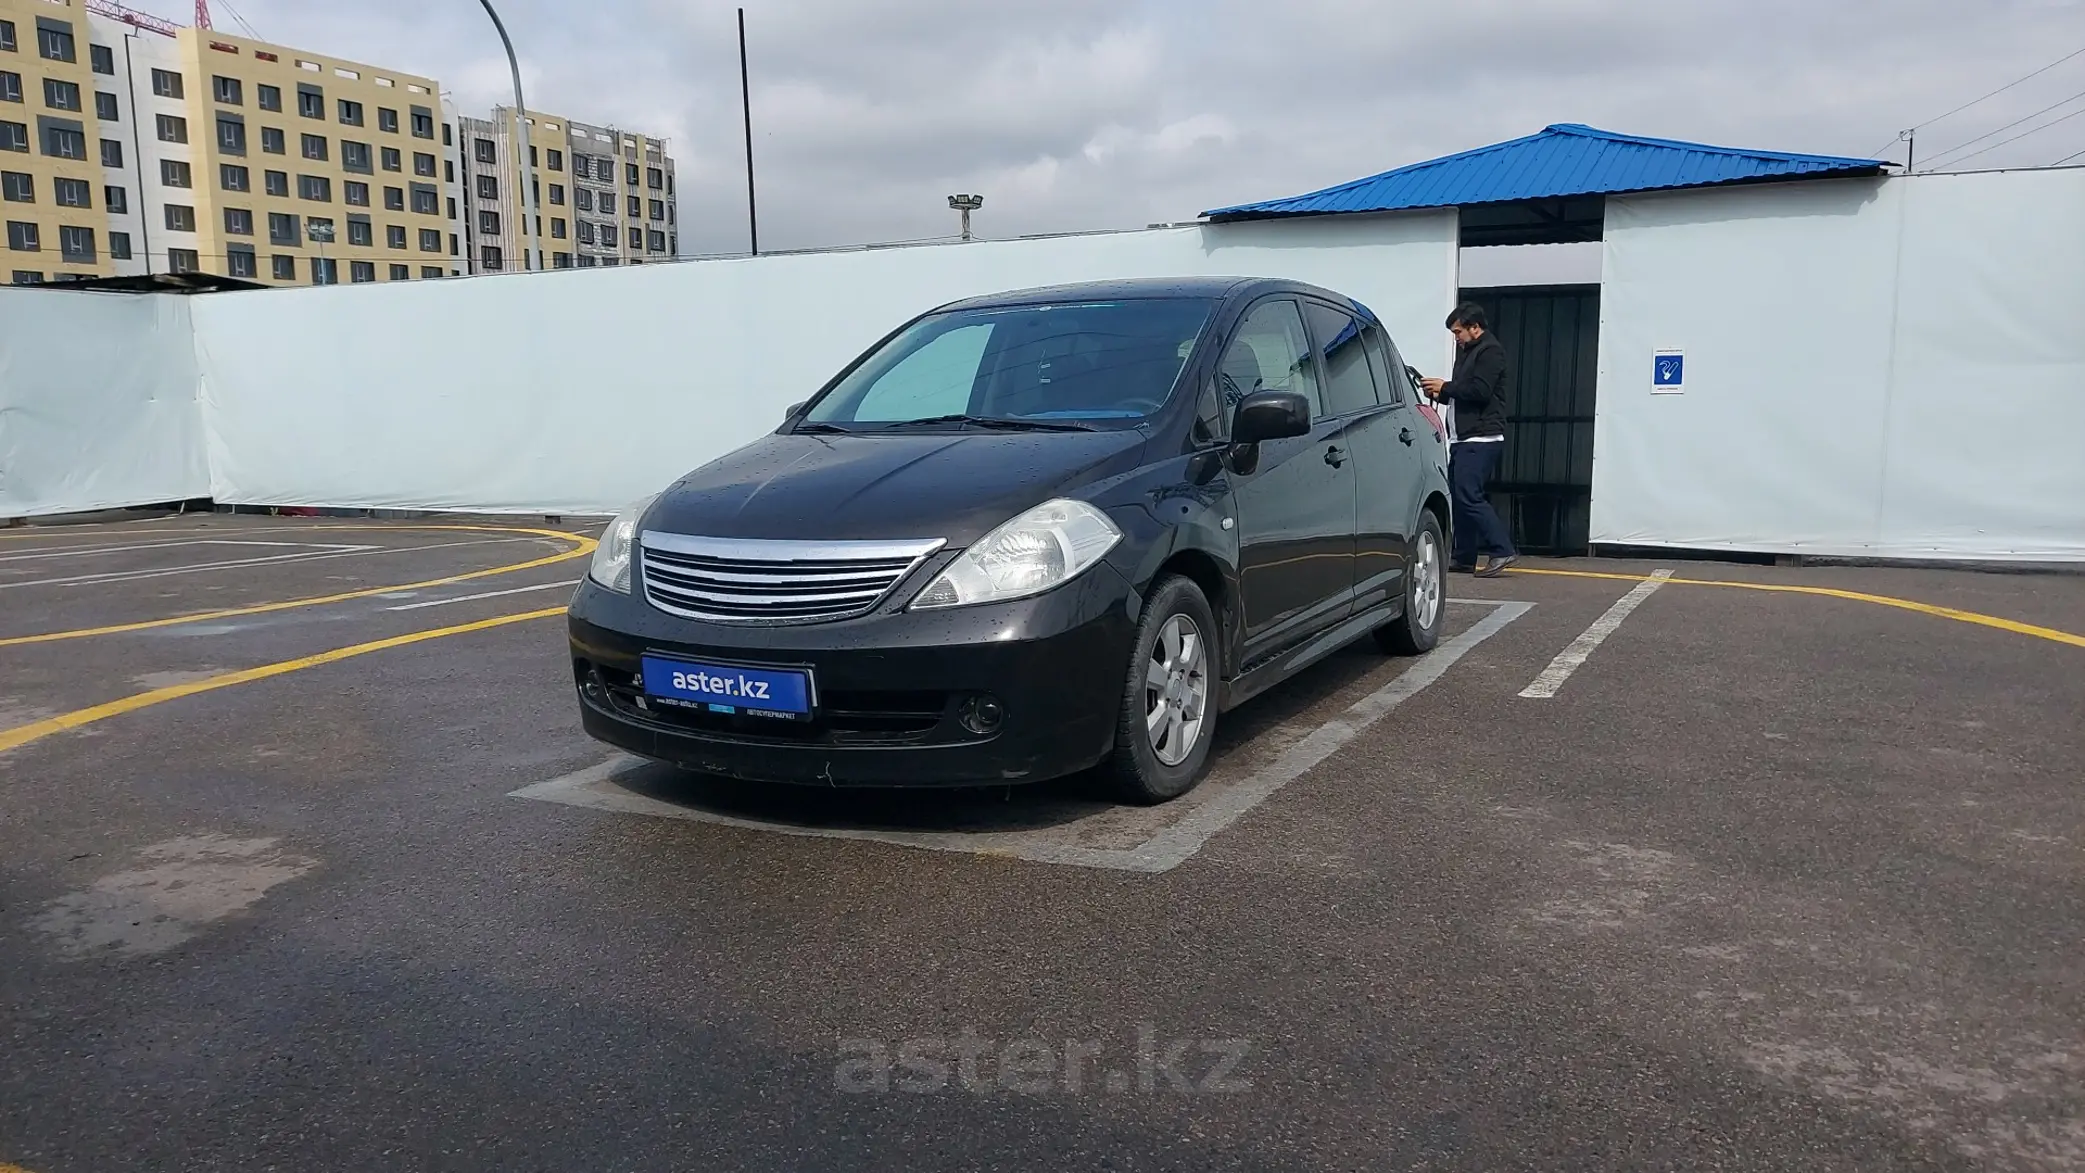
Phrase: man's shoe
(1497, 566)
(1461, 568)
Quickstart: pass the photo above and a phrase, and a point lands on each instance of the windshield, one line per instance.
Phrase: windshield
(1086, 364)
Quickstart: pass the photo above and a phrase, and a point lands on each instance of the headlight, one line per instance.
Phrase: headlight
(1049, 545)
(611, 565)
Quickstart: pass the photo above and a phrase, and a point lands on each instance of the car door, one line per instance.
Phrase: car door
(1383, 487)
(1294, 496)
(1418, 453)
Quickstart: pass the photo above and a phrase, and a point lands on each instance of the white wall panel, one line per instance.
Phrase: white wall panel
(97, 402)
(576, 391)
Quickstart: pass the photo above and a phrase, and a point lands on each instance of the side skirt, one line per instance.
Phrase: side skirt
(1250, 684)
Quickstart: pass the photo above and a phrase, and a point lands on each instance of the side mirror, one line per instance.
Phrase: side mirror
(793, 408)
(1270, 415)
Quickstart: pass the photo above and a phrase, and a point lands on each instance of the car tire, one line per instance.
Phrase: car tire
(1168, 711)
(1425, 594)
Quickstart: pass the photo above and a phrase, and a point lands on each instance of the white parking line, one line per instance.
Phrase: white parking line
(273, 559)
(126, 547)
(1196, 817)
(541, 586)
(1560, 669)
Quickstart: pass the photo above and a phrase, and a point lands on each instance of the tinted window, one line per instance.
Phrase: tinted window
(1344, 359)
(1389, 366)
(1270, 352)
(1104, 361)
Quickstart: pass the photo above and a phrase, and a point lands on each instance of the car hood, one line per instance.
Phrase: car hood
(886, 487)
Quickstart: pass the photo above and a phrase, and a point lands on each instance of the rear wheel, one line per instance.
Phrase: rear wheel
(1425, 595)
(1168, 713)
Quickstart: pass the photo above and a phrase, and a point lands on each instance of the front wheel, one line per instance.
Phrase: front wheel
(1168, 714)
(1425, 595)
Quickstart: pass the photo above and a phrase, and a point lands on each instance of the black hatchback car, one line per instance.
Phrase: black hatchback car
(1025, 535)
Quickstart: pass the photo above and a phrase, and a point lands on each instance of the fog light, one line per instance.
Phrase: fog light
(982, 714)
(592, 688)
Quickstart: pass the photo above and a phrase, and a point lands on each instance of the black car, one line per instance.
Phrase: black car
(1024, 535)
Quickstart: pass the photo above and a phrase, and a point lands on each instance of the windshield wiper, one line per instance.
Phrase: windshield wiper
(822, 428)
(1001, 423)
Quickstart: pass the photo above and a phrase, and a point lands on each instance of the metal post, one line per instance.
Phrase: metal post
(533, 256)
(745, 97)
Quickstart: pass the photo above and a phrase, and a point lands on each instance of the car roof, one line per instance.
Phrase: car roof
(1139, 287)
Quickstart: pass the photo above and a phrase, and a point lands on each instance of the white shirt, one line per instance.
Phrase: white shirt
(1447, 407)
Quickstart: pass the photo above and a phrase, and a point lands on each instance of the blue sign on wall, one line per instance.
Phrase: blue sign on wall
(1668, 372)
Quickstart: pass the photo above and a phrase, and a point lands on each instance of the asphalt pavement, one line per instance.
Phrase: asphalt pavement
(1776, 879)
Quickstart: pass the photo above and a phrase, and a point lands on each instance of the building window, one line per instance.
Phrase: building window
(17, 187)
(106, 107)
(587, 262)
(430, 271)
(354, 157)
(387, 120)
(658, 210)
(324, 271)
(583, 199)
(426, 202)
(183, 260)
(233, 177)
(489, 255)
(315, 147)
(657, 241)
(423, 123)
(447, 140)
(630, 173)
(532, 156)
(72, 193)
(268, 97)
(561, 260)
(394, 198)
(282, 228)
(61, 95)
(62, 142)
(557, 228)
(119, 246)
(180, 218)
(285, 267)
(394, 236)
(485, 151)
(354, 193)
(489, 222)
(174, 173)
(669, 185)
(7, 35)
(430, 240)
(240, 262)
(488, 187)
(116, 199)
(10, 86)
(112, 152)
(669, 213)
(27, 277)
(393, 161)
(173, 128)
(452, 207)
(315, 187)
(166, 83)
(231, 136)
(359, 233)
(76, 244)
(277, 183)
(636, 207)
(350, 113)
(228, 90)
(555, 158)
(557, 194)
(585, 232)
(104, 59)
(14, 136)
(238, 221)
(423, 164)
(272, 141)
(654, 178)
(401, 272)
(23, 237)
(636, 237)
(311, 102)
(54, 44)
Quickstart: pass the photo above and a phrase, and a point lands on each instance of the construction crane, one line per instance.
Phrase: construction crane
(142, 20)
(202, 14)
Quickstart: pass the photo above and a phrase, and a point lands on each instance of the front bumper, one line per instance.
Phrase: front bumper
(891, 687)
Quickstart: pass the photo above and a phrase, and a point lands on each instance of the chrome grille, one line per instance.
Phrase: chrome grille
(738, 580)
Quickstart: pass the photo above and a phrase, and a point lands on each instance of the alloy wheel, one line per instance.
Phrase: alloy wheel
(1176, 690)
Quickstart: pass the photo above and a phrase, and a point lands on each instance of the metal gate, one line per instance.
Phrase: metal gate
(1544, 487)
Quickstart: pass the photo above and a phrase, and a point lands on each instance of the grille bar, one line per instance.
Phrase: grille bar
(749, 581)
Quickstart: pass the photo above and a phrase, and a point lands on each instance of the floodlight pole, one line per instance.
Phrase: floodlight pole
(745, 98)
(532, 257)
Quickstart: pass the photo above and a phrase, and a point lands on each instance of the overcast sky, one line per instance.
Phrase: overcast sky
(1080, 114)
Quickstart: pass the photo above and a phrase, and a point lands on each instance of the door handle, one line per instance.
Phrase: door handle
(1334, 457)
(1405, 435)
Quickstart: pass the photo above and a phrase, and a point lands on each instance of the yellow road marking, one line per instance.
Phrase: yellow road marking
(35, 731)
(584, 547)
(1955, 613)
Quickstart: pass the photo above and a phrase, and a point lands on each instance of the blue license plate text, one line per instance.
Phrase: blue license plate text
(765, 692)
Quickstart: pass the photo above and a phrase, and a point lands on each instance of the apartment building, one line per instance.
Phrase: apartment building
(605, 196)
(51, 201)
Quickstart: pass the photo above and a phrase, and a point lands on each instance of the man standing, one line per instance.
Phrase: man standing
(1476, 396)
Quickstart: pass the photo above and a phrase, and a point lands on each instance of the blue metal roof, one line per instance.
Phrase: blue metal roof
(1562, 160)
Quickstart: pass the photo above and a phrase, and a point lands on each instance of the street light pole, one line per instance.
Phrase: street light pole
(533, 256)
(966, 204)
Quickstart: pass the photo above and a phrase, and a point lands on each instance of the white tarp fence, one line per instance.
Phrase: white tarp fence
(97, 402)
(577, 391)
(1888, 369)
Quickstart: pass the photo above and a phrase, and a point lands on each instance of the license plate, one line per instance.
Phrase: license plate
(783, 693)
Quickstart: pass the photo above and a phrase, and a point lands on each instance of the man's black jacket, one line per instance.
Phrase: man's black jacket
(1479, 388)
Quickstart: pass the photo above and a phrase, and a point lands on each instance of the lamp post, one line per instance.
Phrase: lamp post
(966, 204)
(320, 230)
(532, 257)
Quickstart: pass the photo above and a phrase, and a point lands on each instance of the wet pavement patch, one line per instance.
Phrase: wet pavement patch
(180, 888)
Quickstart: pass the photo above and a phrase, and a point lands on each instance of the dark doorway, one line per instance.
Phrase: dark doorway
(1544, 488)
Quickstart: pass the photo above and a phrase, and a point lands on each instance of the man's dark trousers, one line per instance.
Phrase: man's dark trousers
(1477, 525)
